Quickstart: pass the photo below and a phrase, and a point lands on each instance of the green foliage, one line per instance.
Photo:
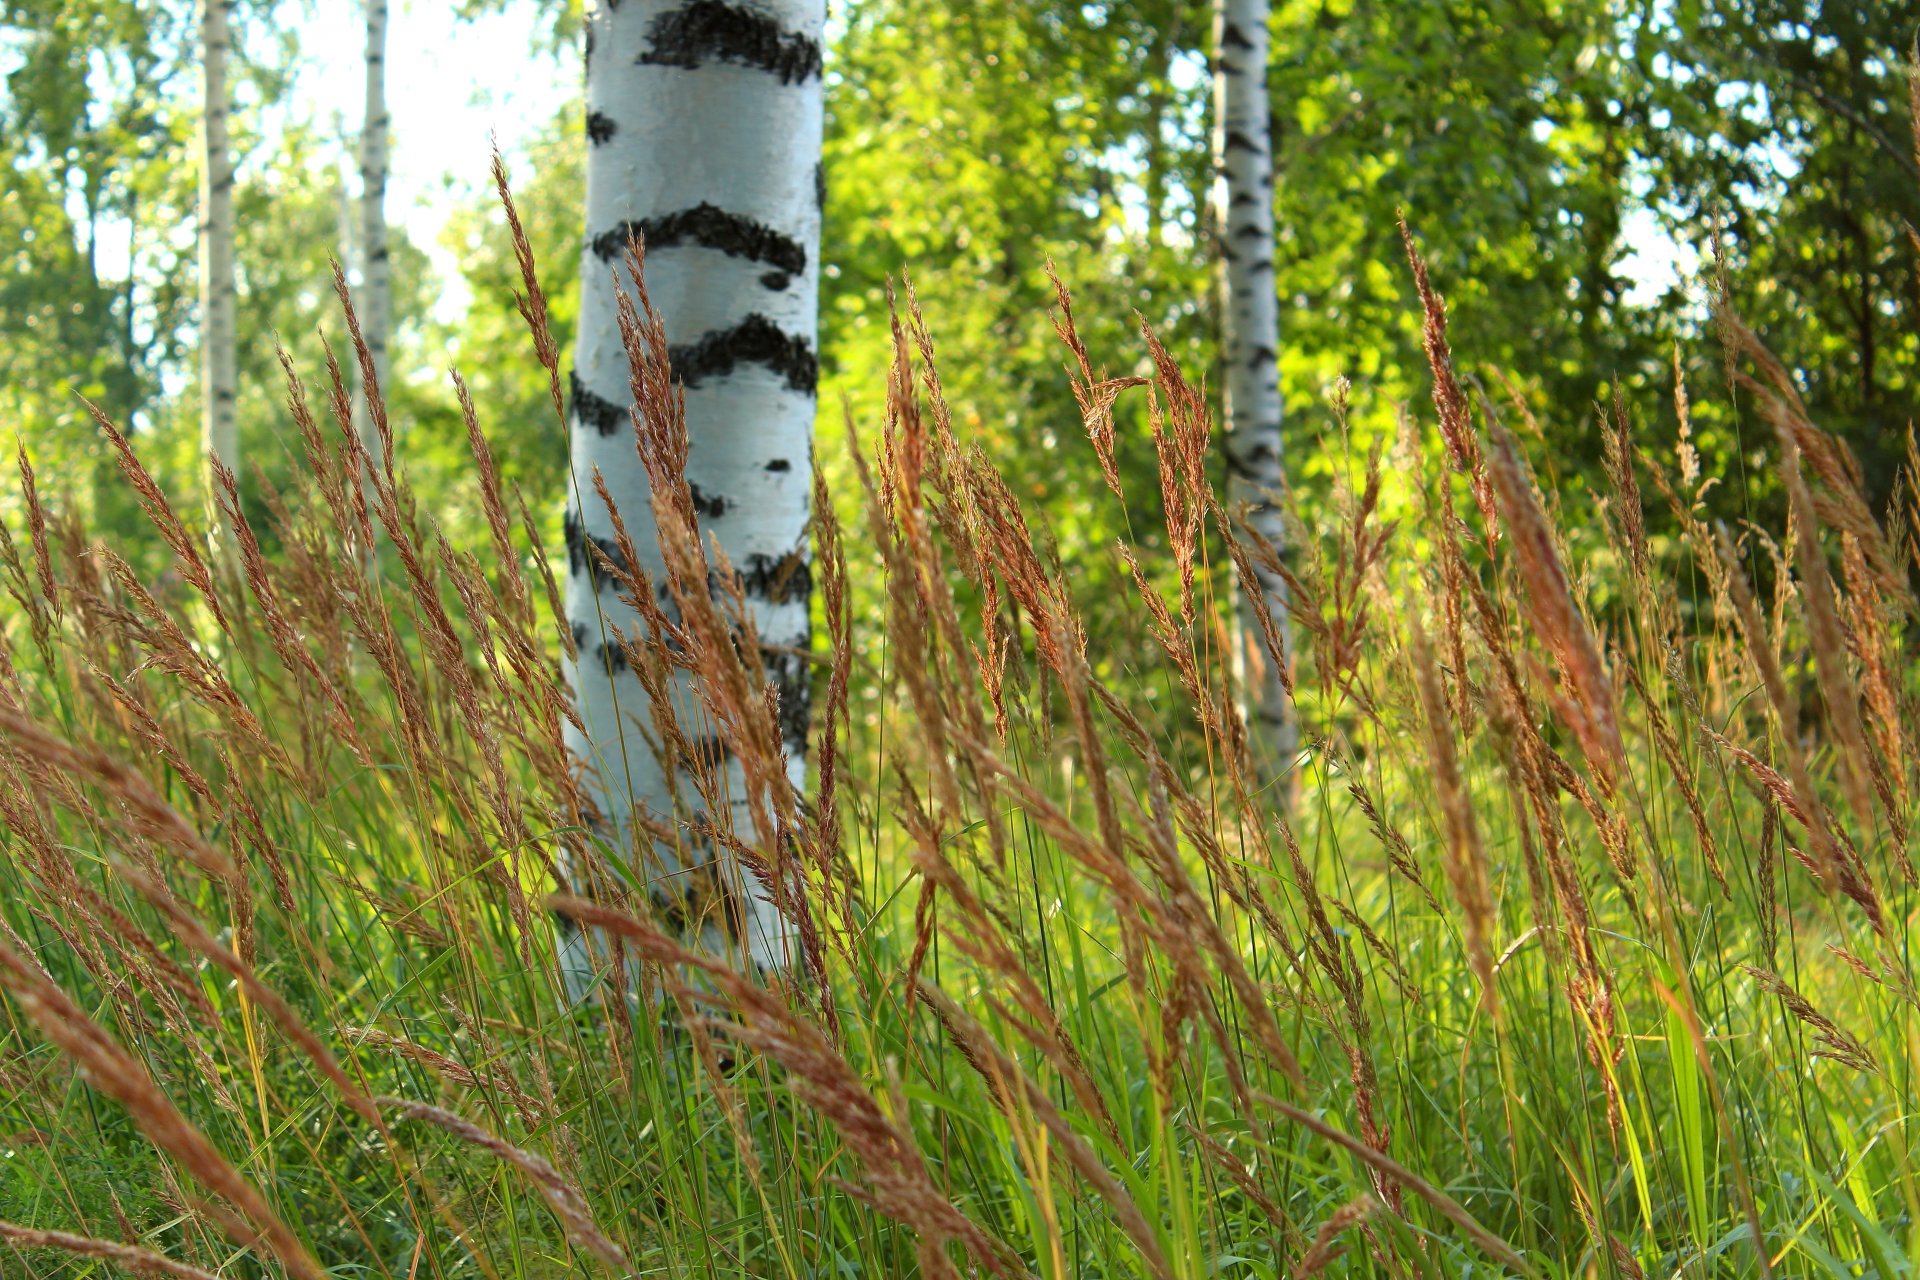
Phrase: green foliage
(1785, 125)
(88, 142)
(488, 344)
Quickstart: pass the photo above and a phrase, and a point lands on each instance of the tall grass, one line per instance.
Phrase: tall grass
(1571, 944)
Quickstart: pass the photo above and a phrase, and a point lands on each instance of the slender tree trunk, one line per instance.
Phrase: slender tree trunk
(375, 302)
(1243, 196)
(704, 124)
(219, 433)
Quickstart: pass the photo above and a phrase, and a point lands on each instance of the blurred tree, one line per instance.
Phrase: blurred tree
(87, 133)
(968, 145)
(1785, 123)
(219, 428)
(1503, 130)
(98, 230)
(488, 342)
(375, 303)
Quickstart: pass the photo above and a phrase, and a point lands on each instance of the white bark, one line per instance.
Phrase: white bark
(374, 301)
(704, 127)
(1243, 197)
(219, 433)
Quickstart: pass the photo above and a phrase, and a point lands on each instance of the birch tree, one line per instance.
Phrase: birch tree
(219, 434)
(1250, 347)
(704, 126)
(375, 303)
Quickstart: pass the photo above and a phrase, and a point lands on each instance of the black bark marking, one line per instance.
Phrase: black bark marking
(1254, 455)
(773, 579)
(610, 657)
(779, 464)
(1262, 355)
(791, 676)
(755, 340)
(580, 560)
(711, 227)
(1238, 141)
(777, 579)
(775, 280)
(1233, 38)
(600, 128)
(705, 753)
(598, 412)
(711, 505)
(703, 31)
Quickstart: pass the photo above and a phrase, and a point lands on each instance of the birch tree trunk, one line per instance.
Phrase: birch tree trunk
(704, 124)
(375, 302)
(1243, 198)
(219, 433)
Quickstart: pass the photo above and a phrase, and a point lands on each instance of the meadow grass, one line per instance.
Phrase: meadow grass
(1575, 942)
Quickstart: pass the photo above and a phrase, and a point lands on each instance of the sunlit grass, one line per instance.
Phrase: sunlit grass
(1572, 943)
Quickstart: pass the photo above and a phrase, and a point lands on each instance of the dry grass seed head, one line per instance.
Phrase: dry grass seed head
(132, 1257)
(1466, 860)
(1829, 1040)
(567, 1203)
(1554, 613)
(1326, 1247)
(115, 1072)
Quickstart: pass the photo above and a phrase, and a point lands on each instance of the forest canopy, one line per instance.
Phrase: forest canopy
(1571, 168)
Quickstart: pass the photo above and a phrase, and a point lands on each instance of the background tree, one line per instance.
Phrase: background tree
(375, 300)
(936, 124)
(1250, 357)
(219, 431)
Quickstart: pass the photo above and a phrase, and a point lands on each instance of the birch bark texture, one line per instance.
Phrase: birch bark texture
(704, 123)
(375, 303)
(1243, 200)
(219, 429)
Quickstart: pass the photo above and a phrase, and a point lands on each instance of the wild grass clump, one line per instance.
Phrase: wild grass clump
(1573, 942)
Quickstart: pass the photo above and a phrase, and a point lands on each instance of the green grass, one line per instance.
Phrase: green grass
(1101, 996)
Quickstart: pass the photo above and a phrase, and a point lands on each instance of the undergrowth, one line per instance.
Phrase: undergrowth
(1570, 944)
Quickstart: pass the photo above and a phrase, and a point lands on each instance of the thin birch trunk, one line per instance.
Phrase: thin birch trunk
(704, 124)
(1243, 197)
(375, 300)
(219, 432)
